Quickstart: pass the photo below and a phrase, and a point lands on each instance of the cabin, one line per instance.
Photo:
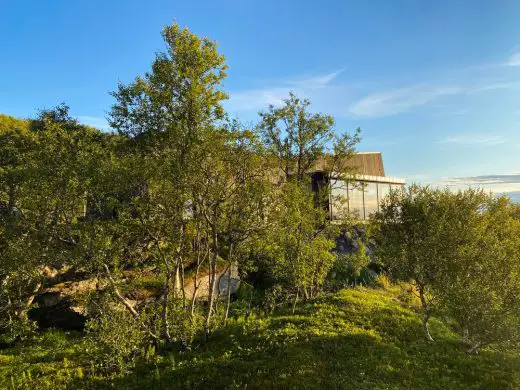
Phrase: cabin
(359, 195)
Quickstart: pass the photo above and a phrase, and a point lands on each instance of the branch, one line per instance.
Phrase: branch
(123, 300)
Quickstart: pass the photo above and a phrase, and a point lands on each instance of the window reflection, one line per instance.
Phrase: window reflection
(383, 189)
(370, 198)
(338, 201)
(355, 200)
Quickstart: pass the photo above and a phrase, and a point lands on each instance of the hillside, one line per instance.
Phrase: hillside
(355, 339)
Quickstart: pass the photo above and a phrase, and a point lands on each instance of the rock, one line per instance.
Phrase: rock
(220, 286)
(225, 280)
(55, 307)
(48, 299)
(49, 272)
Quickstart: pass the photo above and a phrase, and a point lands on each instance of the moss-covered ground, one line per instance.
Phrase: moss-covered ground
(355, 339)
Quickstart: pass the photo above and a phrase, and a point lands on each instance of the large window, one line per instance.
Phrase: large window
(355, 200)
(338, 201)
(359, 199)
(370, 197)
(383, 189)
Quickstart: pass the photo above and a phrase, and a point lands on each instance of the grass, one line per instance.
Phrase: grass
(355, 339)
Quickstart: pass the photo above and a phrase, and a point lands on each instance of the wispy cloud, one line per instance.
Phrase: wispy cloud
(259, 98)
(94, 121)
(493, 86)
(514, 60)
(338, 97)
(512, 178)
(319, 81)
(397, 101)
(499, 184)
(400, 100)
(472, 139)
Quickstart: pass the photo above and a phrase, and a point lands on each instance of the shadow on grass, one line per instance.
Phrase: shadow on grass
(353, 361)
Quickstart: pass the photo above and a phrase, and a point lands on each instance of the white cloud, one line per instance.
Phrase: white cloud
(472, 139)
(94, 121)
(514, 60)
(397, 101)
(400, 100)
(335, 96)
(256, 99)
(315, 82)
(512, 178)
(508, 184)
(260, 98)
(492, 86)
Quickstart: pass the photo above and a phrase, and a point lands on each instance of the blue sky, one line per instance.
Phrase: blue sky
(435, 85)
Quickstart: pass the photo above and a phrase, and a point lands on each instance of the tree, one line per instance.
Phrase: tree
(299, 241)
(46, 171)
(461, 251)
(297, 143)
(298, 140)
(175, 124)
(419, 231)
(481, 289)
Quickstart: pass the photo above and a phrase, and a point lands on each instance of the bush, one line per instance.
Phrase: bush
(183, 326)
(18, 328)
(115, 341)
(349, 269)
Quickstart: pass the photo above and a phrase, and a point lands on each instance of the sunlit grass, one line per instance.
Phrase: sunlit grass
(355, 339)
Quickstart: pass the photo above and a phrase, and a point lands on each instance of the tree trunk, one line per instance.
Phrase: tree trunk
(228, 294)
(212, 279)
(426, 326)
(473, 350)
(295, 300)
(165, 332)
(228, 290)
(195, 278)
(12, 201)
(465, 335)
(426, 315)
(175, 278)
(129, 307)
(182, 281)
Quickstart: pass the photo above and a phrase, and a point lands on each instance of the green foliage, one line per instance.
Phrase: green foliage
(485, 301)
(182, 191)
(297, 140)
(348, 267)
(462, 253)
(115, 341)
(299, 243)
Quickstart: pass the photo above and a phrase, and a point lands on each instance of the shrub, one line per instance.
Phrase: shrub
(382, 281)
(348, 268)
(184, 326)
(115, 341)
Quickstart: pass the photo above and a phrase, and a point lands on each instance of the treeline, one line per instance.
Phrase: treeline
(182, 192)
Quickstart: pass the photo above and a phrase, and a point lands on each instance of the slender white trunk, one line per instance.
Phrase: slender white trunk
(212, 280)
(426, 314)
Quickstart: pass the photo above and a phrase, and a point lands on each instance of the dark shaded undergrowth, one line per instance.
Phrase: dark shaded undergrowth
(356, 339)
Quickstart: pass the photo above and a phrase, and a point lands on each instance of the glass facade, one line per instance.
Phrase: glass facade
(384, 190)
(360, 199)
(371, 200)
(338, 200)
(355, 200)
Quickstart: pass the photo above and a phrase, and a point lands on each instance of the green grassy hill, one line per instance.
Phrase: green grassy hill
(356, 339)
